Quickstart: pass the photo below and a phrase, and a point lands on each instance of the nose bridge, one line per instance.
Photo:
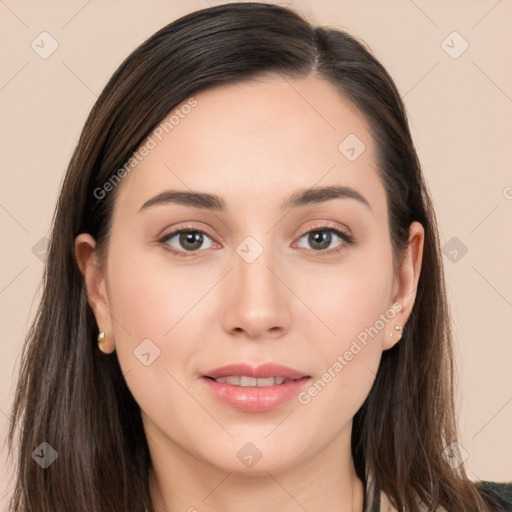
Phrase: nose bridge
(254, 279)
(256, 298)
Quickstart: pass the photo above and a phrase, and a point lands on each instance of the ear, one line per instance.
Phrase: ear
(95, 284)
(405, 284)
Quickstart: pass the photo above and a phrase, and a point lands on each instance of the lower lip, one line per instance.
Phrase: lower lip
(255, 399)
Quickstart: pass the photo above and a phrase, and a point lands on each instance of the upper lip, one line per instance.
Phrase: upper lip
(260, 372)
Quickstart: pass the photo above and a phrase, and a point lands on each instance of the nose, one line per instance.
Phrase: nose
(257, 302)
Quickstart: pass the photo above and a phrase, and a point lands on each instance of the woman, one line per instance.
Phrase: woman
(251, 369)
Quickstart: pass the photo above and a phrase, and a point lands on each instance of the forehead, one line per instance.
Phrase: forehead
(258, 139)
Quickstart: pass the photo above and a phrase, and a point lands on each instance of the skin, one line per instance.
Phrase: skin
(254, 144)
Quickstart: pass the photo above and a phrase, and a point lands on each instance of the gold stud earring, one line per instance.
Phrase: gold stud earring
(399, 329)
(101, 339)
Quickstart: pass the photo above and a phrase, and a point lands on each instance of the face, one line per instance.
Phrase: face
(186, 289)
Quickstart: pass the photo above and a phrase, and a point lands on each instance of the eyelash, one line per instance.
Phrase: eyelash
(347, 239)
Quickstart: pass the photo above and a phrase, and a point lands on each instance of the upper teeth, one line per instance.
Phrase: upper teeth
(237, 380)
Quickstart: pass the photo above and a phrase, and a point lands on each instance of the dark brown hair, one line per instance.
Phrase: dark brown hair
(75, 398)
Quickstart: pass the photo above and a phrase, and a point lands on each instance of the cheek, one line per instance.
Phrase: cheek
(353, 305)
(152, 307)
(150, 296)
(348, 366)
(348, 299)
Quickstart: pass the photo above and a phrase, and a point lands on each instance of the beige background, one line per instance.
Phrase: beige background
(460, 113)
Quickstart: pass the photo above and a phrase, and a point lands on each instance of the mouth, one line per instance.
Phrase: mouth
(255, 389)
(247, 381)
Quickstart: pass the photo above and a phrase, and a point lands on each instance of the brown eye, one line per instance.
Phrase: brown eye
(320, 239)
(190, 240)
(185, 240)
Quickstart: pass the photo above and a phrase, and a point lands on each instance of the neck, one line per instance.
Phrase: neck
(327, 481)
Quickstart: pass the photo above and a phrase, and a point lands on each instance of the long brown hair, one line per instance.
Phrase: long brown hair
(73, 397)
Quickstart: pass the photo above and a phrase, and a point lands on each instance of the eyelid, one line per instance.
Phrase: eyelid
(325, 224)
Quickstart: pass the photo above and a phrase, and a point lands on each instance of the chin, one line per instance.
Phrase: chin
(256, 458)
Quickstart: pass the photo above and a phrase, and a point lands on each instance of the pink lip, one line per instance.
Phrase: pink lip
(252, 398)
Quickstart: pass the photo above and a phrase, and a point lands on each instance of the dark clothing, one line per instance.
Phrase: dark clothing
(500, 493)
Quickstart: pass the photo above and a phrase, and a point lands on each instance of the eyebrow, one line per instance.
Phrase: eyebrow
(214, 202)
